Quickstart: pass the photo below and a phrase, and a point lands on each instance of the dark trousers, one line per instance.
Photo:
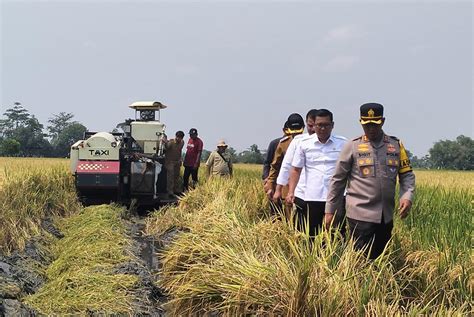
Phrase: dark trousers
(373, 236)
(311, 214)
(313, 211)
(189, 171)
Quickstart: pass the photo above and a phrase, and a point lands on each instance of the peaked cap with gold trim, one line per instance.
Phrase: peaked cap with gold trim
(371, 113)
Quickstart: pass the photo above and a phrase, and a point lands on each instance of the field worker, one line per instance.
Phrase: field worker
(219, 162)
(173, 161)
(316, 154)
(192, 159)
(283, 175)
(369, 166)
(295, 126)
(270, 153)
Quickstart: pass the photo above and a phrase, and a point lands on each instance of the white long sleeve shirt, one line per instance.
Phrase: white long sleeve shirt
(319, 162)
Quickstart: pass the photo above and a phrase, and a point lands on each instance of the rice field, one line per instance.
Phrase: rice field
(232, 257)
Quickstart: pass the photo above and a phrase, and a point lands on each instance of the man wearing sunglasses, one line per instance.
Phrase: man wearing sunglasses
(369, 165)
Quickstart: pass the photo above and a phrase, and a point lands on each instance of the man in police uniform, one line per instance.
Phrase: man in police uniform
(369, 165)
(295, 126)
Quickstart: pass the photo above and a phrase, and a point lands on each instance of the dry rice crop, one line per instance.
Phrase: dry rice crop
(31, 190)
(233, 258)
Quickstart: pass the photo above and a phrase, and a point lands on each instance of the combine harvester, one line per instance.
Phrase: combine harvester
(124, 167)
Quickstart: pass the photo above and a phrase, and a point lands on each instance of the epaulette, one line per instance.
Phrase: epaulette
(284, 138)
(394, 137)
(358, 138)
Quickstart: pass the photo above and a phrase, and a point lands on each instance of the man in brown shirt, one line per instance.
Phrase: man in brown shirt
(219, 162)
(295, 126)
(369, 165)
(173, 161)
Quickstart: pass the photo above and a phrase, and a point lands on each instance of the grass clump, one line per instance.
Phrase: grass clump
(82, 279)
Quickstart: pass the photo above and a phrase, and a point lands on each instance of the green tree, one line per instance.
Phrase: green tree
(233, 154)
(64, 132)
(251, 156)
(205, 155)
(9, 147)
(31, 138)
(458, 154)
(67, 137)
(16, 117)
(58, 123)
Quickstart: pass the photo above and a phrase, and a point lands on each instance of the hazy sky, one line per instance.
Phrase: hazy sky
(236, 70)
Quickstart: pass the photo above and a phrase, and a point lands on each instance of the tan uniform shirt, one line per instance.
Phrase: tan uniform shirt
(370, 172)
(216, 165)
(173, 151)
(276, 164)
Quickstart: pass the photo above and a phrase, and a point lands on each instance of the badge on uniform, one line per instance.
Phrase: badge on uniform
(363, 147)
(391, 148)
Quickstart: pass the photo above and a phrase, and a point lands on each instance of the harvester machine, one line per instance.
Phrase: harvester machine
(124, 166)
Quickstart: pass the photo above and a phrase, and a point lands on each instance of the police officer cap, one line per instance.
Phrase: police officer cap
(295, 122)
(371, 113)
(193, 131)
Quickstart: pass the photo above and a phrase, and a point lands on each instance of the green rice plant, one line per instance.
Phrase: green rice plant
(82, 278)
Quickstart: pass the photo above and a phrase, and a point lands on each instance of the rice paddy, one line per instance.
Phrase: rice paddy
(232, 257)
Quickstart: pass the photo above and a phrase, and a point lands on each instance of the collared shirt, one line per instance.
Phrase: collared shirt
(269, 157)
(370, 170)
(319, 160)
(219, 164)
(284, 175)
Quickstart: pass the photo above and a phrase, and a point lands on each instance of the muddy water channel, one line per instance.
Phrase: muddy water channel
(23, 273)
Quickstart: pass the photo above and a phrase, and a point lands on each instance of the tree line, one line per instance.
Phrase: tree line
(21, 134)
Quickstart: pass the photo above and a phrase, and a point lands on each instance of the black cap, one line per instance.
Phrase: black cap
(295, 122)
(371, 113)
(193, 131)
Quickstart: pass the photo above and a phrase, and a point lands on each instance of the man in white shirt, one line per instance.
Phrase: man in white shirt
(317, 154)
(284, 174)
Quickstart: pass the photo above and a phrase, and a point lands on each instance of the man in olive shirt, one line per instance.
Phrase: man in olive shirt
(173, 162)
(219, 162)
(369, 165)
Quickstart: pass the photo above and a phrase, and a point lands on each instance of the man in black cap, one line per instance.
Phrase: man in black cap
(295, 126)
(192, 159)
(372, 163)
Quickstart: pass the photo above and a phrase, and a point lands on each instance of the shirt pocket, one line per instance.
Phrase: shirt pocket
(392, 165)
(366, 167)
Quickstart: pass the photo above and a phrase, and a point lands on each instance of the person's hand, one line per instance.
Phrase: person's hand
(270, 193)
(290, 199)
(404, 207)
(328, 220)
(277, 195)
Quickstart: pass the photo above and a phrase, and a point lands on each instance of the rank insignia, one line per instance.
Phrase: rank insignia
(366, 171)
(363, 148)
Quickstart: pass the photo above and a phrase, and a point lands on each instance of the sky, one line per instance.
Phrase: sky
(237, 69)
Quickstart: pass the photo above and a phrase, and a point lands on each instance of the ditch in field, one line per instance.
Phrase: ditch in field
(52, 276)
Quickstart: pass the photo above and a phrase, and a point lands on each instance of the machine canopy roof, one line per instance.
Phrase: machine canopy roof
(147, 105)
